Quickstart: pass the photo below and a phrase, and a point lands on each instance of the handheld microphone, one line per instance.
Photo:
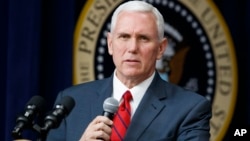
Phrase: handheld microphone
(60, 111)
(110, 106)
(35, 105)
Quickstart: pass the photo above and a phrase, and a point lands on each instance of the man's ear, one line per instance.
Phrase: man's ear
(109, 41)
(162, 48)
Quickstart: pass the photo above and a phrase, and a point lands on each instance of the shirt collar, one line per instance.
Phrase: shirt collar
(137, 91)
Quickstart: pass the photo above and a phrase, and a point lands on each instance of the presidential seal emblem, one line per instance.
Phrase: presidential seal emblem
(200, 55)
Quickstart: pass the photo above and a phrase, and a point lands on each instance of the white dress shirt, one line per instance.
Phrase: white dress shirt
(137, 91)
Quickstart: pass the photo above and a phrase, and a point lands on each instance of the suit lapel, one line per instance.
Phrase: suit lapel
(148, 109)
(104, 90)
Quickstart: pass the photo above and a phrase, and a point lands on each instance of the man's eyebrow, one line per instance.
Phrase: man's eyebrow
(145, 35)
(137, 35)
(122, 34)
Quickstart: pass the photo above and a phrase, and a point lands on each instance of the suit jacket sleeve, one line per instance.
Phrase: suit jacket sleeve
(196, 124)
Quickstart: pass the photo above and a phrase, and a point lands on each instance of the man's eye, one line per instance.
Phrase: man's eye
(124, 36)
(144, 38)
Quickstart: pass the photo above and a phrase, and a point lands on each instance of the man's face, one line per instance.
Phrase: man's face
(134, 45)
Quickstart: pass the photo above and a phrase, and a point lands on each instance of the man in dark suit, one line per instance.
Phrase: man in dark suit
(159, 110)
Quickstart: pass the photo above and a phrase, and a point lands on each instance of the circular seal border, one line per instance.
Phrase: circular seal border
(88, 26)
(220, 118)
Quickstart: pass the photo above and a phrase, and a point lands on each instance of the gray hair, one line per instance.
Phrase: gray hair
(140, 6)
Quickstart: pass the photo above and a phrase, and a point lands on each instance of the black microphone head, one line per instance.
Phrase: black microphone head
(61, 110)
(110, 105)
(38, 101)
(34, 106)
(68, 103)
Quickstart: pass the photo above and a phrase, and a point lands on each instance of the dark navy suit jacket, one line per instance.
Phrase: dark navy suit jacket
(165, 113)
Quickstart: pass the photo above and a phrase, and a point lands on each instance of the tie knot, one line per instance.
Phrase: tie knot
(127, 96)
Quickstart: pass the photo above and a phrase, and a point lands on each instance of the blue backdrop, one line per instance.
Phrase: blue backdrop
(36, 53)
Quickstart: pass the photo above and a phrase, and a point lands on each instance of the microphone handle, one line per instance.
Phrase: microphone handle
(108, 114)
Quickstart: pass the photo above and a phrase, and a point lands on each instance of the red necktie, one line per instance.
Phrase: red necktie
(122, 118)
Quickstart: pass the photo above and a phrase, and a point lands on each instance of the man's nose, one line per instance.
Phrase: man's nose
(133, 45)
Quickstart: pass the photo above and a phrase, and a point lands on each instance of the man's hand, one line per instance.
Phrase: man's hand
(98, 130)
